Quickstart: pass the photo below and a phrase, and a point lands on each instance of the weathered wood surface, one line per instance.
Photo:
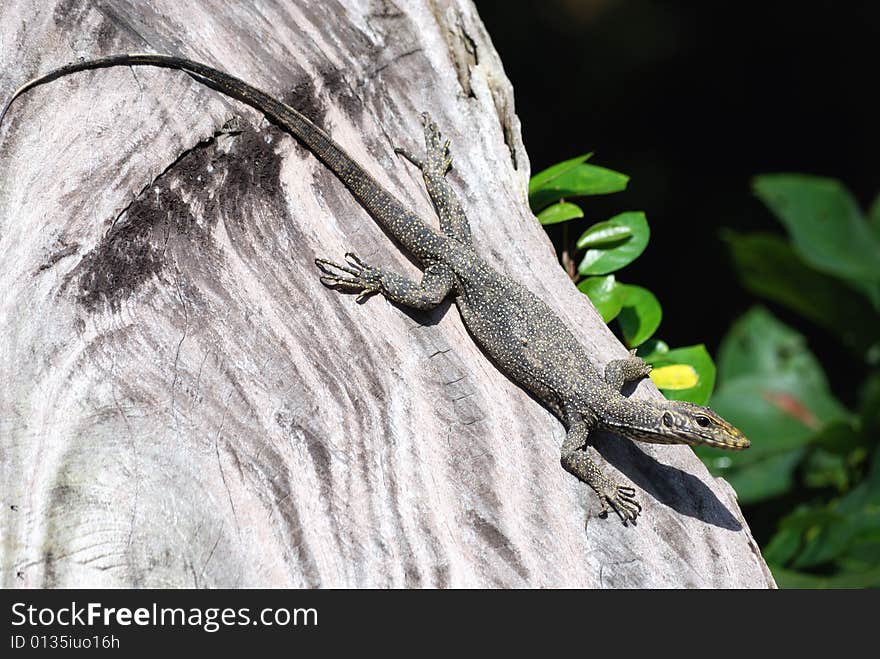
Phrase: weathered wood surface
(183, 403)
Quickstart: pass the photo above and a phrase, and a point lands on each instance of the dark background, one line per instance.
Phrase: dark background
(691, 101)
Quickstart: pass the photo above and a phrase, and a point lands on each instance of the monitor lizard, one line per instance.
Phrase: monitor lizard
(526, 340)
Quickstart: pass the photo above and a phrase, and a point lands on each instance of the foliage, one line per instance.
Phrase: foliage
(607, 246)
(810, 454)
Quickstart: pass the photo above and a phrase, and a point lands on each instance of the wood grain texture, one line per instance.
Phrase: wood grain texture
(184, 404)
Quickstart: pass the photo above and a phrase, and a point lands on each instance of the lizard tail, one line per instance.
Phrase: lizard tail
(404, 225)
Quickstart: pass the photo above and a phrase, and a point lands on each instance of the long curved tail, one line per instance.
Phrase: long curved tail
(410, 230)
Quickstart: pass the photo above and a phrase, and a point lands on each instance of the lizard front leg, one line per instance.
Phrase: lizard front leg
(434, 166)
(576, 461)
(620, 371)
(358, 277)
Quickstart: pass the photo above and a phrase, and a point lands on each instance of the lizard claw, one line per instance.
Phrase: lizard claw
(415, 160)
(438, 159)
(361, 278)
(645, 365)
(622, 500)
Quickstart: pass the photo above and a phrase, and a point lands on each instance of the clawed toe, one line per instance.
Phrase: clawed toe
(623, 501)
(415, 160)
(438, 149)
(358, 277)
(437, 158)
(432, 133)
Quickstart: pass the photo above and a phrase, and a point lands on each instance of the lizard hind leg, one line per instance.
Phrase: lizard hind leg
(620, 371)
(434, 166)
(576, 462)
(357, 277)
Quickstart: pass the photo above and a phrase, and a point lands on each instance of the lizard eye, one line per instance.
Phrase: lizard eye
(667, 419)
(703, 421)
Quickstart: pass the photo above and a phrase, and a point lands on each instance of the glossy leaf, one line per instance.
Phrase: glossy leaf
(601, 260)
(684, 374)
(640, 316)
(768, 266)
(577, 181)
(651, 349)
(547, 176)
(675, 376)
(561, 212)
(826, 227)
(605, 294)
(604, 234)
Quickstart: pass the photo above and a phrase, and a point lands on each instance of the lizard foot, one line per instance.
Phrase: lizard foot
(642, 367)
(437, 160)
(622, 500)
(361, 278)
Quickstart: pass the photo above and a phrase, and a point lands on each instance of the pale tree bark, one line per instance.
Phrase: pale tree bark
(184, 404)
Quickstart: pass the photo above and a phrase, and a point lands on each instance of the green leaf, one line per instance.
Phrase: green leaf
(605, 294)
(768, 266)
(760, 344)
(825, 469)
(826, 227)
(545, 177)
(698, 361)
(601, 260)
(765, 479)
(854, 520)
(771, 386)
(652, 349)
(788, 539)
(561, 212)
(869, 404)
(675, 377)
(785, 543)
(843, 535)
(640, 316)
(776, 412)
(773, 389)
(603, 234)
(874, 217)
(843, 439)
(793, 579)
(577, 181)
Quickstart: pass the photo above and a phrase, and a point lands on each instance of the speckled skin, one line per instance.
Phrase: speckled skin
(521, 334)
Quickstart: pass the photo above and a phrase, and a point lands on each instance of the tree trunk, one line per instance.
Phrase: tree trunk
(184, 404)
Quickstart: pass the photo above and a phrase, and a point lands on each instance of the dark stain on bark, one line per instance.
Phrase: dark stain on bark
(304, 98)
(70, 16)
(174, 216)
(337, 87)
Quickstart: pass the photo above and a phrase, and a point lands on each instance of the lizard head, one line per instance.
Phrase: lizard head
(680, 422)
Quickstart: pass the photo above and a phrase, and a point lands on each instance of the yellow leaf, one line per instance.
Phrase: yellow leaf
(675, 376)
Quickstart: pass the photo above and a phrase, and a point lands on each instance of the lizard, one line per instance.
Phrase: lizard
(516, 329)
